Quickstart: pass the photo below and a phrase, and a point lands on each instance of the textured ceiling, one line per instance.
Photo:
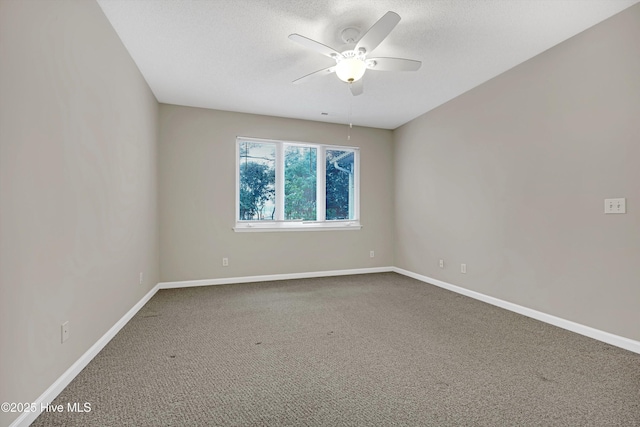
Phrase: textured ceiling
(235, 55)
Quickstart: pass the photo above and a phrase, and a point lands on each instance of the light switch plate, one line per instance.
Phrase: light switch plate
(615, 205)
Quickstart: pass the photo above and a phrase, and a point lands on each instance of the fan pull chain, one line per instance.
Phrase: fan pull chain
(350, 113)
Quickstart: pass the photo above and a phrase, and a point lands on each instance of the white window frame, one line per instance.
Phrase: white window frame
(280, 224)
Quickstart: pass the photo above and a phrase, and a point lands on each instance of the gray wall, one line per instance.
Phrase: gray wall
(197, 199)
(510, 178)
(78, 206)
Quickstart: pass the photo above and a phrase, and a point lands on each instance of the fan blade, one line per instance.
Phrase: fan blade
(317, 46)
(378, 32)
(393, 64)
(315, 75)
(356, 87)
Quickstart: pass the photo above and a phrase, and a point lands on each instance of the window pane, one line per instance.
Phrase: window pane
(300, 183)
(257, 180)
(340, 185)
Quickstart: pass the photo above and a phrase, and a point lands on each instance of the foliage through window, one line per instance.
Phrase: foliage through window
(339, 184)
(295, 185)
(257, 181)
(300, 164)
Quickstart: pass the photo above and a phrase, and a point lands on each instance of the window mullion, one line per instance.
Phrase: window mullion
(356, 185)
(238, 180)
(279, 181)
(321, 185)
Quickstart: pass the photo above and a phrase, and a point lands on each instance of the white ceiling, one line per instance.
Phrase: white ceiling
(234, 55)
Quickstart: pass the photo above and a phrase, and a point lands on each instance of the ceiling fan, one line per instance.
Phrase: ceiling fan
(351, 64)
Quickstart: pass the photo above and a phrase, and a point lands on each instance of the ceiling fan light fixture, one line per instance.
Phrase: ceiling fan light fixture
(352, 63)
(351, 69)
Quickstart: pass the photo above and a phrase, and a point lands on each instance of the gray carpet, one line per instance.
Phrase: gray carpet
(378, 349)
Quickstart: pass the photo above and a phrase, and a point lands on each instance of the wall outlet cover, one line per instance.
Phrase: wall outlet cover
(64, 331)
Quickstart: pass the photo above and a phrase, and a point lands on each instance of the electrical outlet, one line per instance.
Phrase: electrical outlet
(463, 268)
(64, 331)
(372, 254)
(141, 278)
(441, 263)
(225, 262)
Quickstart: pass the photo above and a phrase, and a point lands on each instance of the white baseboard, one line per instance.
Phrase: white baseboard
(56, 388)
(616, 340)
(271, 277)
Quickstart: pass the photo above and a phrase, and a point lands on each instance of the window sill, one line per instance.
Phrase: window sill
(251, 227)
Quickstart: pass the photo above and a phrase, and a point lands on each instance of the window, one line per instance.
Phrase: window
(283, 185)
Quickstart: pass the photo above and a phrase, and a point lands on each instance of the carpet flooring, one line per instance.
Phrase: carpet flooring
(365, 350)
